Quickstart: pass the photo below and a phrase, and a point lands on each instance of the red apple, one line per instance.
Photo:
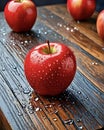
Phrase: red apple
(100, 24)
(81, 9)
(50, 68)
(20, 15)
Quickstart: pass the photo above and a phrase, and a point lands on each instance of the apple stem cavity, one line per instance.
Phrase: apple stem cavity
(18, 0)
(49, 49)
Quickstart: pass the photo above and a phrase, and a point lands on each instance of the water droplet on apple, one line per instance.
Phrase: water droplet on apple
(59, 68)
(39, 71)
(49, 65)
(41, 77)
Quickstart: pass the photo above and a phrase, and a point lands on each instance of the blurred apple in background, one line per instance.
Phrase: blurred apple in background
(100, 24)
(50, 68)
(20, 15)
(81, 9)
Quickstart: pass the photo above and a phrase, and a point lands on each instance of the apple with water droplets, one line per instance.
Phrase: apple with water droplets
(50, 68)
(81, 9)
(20, 14)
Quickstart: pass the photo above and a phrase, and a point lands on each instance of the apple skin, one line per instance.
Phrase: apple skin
(100, 25)
(20, 15)
(81, 9)
(50, 74)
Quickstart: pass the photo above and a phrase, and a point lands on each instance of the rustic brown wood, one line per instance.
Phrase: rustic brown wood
(81, 106)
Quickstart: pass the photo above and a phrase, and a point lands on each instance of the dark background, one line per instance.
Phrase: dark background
(100, 3)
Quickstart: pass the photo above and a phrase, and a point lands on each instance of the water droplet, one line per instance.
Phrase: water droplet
(72, 30)
(49, 65)
(45, 33)
(79, 92)
(37, 109)
(20, 53)
(94, 63)
(69, 122)
(103, 48)
(26, 91)
(59, 68)
(67, 28)
(51, 16)
(36, 99)
(4, 40)
(54, 119)
(78, 22)
(30, 109)
(80, 127)
(30, 41)
(41, 77)
(3, 69)
(48, 106)
(26, 41)
(79, 120)
(20, 114)
(23, 105)
(75, 28)
(21, 42)
(59, 105)
(27, 34)
(56, 111)
(87, 98)
(4, 33)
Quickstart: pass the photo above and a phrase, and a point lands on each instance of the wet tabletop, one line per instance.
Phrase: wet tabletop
(81, 106)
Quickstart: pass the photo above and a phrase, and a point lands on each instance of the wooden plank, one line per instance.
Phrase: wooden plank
(19, 77)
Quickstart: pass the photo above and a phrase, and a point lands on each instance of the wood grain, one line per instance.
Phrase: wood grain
(81, 106)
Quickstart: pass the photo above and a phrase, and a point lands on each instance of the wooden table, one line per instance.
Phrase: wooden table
(81, 106)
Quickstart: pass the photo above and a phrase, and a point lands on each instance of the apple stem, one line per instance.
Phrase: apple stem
(49, 50)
